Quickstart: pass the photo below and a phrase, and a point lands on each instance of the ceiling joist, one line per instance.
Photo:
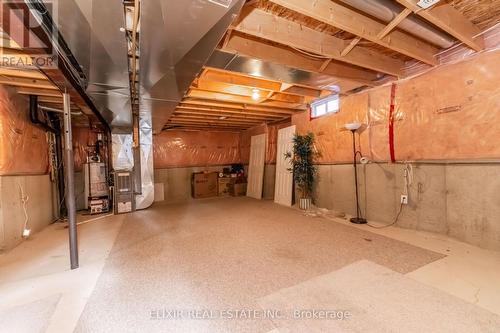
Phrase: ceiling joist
(449, 20)
(346, 19)
(280, 30)
(346, 76)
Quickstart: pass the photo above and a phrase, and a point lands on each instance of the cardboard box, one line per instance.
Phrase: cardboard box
(224, 184)
(238, 189)
(204, 184)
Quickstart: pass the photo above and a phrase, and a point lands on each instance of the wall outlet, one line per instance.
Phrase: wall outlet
(26, 233)
(404, 199)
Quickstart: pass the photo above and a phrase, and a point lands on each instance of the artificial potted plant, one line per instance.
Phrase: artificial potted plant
(302, 167)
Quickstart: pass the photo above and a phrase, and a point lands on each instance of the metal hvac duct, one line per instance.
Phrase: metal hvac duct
(277, 72)
(387, 10)
(177, 38)
(94, 33)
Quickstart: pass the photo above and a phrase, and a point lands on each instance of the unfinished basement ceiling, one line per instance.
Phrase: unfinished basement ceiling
(289, 43)
(294, 42)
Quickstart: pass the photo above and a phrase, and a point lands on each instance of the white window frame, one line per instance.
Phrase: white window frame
(324, 103)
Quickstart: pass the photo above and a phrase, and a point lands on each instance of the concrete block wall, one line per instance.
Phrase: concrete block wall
(41, 207)
(458, 200)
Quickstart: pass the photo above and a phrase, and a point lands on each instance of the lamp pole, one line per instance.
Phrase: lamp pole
(358, 219)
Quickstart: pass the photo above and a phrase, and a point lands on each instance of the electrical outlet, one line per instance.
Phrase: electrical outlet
(404, 199)
(26, 233)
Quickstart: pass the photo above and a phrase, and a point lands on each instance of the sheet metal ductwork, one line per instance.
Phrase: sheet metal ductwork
(273, 71)
(94, 34)
(177, 38)
(387, 10)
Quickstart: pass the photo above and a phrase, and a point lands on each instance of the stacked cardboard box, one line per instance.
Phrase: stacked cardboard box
(204, 184)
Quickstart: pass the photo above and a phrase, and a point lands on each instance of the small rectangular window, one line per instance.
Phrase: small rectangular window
(325, 106)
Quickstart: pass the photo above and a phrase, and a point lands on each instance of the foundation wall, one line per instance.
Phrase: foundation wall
(446, 125)
(41, 206)
(24, 167)
(458, 200)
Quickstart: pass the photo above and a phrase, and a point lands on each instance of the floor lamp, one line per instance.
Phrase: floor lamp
(353, 127)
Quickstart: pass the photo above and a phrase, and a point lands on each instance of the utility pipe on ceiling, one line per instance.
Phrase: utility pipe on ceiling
(387, 10)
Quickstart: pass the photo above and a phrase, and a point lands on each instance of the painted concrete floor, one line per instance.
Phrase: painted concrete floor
(37, 270)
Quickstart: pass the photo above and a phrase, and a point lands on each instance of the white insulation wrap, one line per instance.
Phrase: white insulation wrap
(123, 157)
(146, 198)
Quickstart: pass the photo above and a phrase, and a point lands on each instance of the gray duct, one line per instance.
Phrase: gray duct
(387, 10)
(274, 71)
(93, 33)
(177, 38)
(122, 151)
(145, 167)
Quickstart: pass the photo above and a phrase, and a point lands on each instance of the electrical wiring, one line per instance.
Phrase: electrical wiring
(310, 54)
(408, 178)
(391, 224)
(24, 201)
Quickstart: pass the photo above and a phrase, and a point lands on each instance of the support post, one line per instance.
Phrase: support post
(70, 182)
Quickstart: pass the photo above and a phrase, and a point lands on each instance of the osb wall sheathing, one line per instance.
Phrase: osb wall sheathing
(23, 146)
(449, 113)
(176, 149)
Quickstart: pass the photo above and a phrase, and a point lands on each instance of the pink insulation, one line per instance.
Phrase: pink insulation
(245, 139)
(448, 113)
(272, 137)
(83, 137)
(195, 148)
(23, 146)
(333, 142)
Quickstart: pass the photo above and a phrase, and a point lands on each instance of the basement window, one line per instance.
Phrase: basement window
(325, 106)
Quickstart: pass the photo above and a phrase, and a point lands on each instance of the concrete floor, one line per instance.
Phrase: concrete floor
(217, 253)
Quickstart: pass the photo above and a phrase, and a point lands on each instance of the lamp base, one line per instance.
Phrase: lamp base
(358, 220)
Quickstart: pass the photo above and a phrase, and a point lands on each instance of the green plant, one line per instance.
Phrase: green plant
(302, 161)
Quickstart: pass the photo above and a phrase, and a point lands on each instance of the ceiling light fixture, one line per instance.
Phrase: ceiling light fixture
(255, 94)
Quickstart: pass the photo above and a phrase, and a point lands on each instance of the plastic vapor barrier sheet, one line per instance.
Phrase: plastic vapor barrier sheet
(176, 149)
(23, 146)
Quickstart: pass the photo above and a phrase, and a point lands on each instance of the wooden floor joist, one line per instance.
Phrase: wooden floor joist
(449, 20)
(349, 20)
(280, 30)
(282, 55)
